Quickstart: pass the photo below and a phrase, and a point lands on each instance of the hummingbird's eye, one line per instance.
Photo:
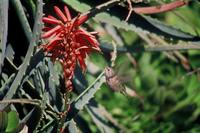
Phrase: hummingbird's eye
(108, 69)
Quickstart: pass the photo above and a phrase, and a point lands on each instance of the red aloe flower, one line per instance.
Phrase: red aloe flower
(67, 42)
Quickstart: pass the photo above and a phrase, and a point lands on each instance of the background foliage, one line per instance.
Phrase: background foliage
(166, 80)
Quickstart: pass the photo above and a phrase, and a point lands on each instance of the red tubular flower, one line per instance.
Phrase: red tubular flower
(67, 42)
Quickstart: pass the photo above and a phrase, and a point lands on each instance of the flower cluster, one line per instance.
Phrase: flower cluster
(67, 42)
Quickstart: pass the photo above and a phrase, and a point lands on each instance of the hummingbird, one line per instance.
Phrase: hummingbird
(115, 84)
(113, 80)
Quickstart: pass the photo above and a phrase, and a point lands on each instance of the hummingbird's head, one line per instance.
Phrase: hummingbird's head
(109, 72)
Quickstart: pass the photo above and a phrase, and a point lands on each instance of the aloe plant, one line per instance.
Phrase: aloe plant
(52, 67)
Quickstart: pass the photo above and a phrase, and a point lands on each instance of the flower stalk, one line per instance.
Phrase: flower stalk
(67, 42)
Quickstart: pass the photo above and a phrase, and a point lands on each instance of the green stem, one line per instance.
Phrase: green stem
(65, 112)
(160, 48)
(154, 48)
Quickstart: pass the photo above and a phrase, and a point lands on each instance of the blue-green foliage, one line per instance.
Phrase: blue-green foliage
(165, 84)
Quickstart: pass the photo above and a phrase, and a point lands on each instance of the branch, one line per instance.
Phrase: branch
(94, 11)
(100, 8)
(160, 8)
(35, 102)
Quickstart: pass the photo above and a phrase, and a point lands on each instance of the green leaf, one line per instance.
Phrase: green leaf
(13, 122)
(84, 98)
(137, 23)
(72, 127)
(186, 22)
(4, 4)
(23, 19)
(3, 120)
(169, 31)
(81, 7)
(93, 108)
(29, 60)
(97, 113)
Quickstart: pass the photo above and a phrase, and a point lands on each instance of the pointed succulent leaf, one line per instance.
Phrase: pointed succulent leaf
(21, 74)
(4, 4)
(84, 98)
